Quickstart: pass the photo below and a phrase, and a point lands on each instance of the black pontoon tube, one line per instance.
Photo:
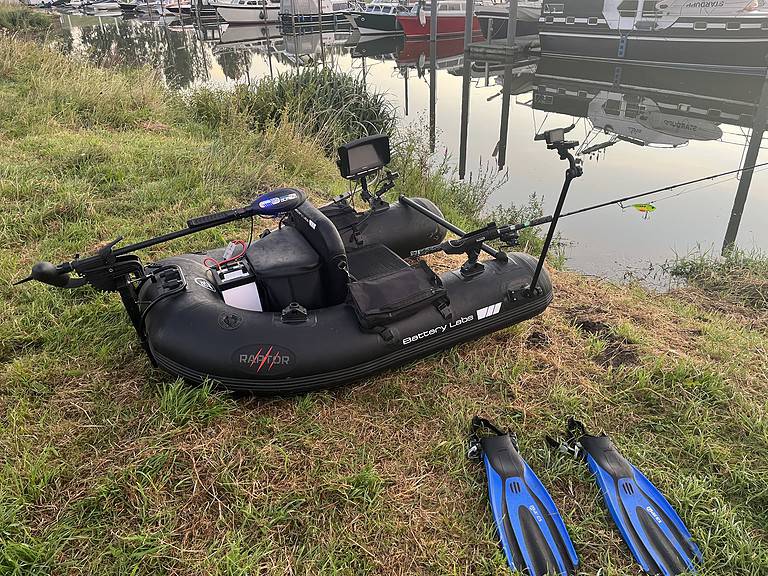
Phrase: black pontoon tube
(445, 224)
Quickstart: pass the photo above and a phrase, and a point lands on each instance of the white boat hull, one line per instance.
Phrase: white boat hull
(248, 14)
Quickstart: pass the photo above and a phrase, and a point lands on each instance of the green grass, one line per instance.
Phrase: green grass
(331, 105)
(20, 19)
(108, 466)
(740, 277)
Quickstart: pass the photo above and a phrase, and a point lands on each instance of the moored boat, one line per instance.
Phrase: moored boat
(494, 18)
(378, 18)
(730, 33)
(451, 16)
(315, 15)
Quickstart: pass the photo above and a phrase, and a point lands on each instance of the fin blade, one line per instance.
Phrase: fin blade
(651, 528)
(532, 532)
(672, 527)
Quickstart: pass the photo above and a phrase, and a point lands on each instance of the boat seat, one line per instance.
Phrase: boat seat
(324, 238)
(287, 269)
(373, 260)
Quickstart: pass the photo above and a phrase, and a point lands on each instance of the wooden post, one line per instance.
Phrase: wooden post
(512, 25)
(468, 27)
(745, 178)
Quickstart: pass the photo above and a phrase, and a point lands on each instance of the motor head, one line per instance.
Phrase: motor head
(278, 201)
(49, 273)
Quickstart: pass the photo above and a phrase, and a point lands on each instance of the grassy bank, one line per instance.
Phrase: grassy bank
(739, 277)
(110, 467)
(15, 18)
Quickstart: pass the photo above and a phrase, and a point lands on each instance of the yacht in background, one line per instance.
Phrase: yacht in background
(379, 17)
(670, 32)
(315, 15)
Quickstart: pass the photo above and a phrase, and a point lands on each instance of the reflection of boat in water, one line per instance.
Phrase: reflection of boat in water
(688, 103)
(250, 36)
(646, 105)
(313, 15)
(494, 18)
(178, 8)
(105, 8)
(451, 15)
(449, 53)
(515, 79)
(378, 46)
(248, 11)
(307, 48)
(640, 121)
(679, 32)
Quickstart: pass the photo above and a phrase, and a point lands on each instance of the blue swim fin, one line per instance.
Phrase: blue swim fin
(652, 529)
(531, 530)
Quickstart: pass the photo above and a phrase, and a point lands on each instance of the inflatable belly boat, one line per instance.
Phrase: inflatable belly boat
(324, 299)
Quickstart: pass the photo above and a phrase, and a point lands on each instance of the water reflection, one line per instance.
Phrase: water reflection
(636, 105)
(172, 50)
(641, 125)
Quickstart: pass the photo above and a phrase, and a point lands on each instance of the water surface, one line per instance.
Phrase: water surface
(648, 126)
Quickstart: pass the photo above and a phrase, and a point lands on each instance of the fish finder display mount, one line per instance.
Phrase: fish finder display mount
(360, 159)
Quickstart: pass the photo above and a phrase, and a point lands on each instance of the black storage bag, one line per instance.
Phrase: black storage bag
(381, 300)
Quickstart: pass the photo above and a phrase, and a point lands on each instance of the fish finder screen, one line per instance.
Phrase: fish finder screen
(362, 158)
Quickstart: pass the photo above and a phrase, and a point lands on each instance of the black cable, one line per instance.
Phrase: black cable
(172, 292)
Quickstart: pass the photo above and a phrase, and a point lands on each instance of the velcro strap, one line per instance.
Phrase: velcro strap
(444, 307)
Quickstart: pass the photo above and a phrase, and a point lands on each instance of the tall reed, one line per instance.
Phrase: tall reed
(327, 104)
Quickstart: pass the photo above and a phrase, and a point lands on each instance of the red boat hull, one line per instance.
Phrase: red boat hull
(446, 26)
(414, 49)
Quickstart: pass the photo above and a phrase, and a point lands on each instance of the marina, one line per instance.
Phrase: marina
(287, 296)
(462, 87)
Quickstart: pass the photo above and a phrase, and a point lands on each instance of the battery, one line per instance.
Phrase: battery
(236, 282)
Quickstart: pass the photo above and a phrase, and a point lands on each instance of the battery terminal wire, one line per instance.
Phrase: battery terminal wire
(210, 262)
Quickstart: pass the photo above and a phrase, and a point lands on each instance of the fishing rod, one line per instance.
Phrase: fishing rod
(547, 219)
